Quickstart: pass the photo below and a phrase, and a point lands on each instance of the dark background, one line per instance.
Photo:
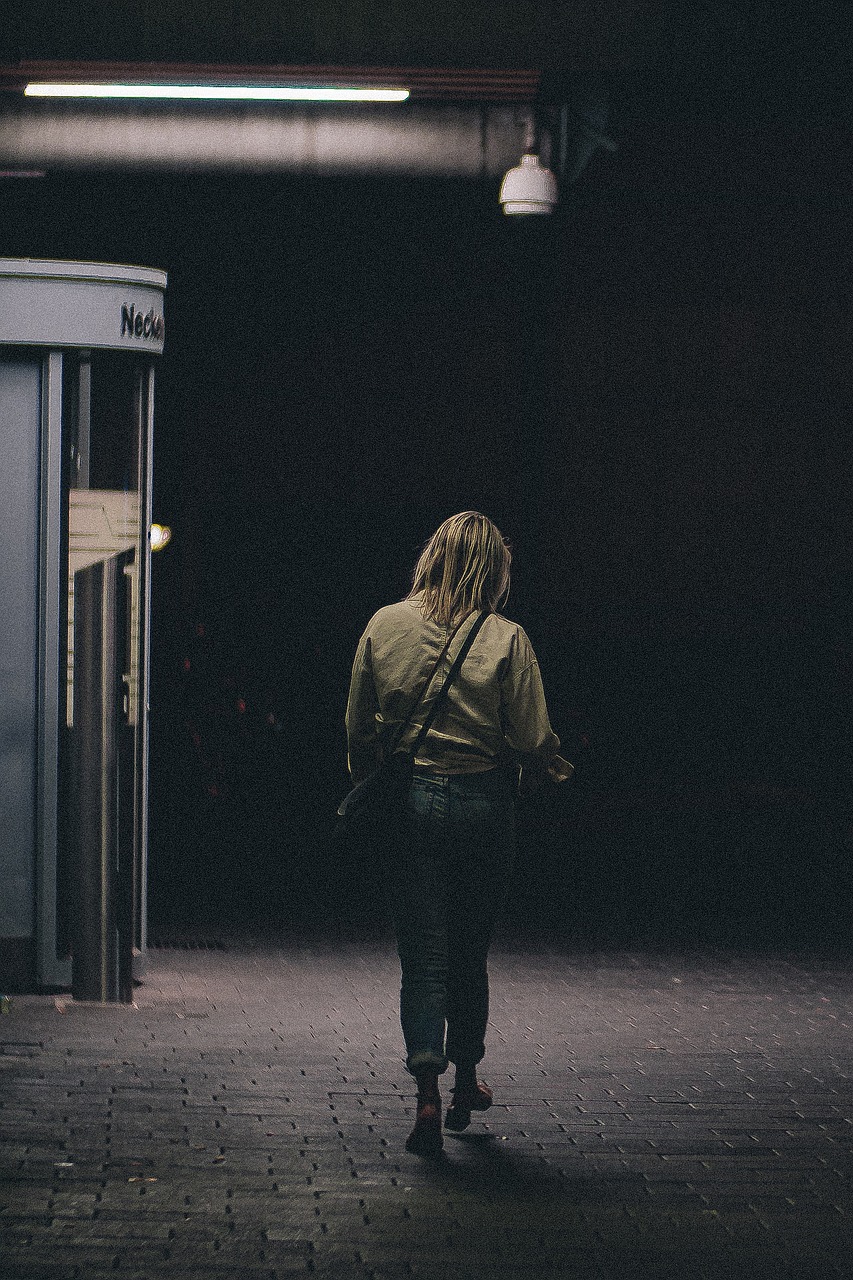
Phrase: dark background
(649, 392)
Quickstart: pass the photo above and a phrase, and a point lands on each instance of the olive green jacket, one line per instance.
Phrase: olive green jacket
(495, 713)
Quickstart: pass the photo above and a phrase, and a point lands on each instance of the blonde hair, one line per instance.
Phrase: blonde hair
(464, 566)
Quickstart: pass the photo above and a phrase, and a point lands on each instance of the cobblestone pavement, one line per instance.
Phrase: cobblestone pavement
(656, 1116)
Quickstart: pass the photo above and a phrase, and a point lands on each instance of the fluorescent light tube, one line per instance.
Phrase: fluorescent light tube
(254, 93)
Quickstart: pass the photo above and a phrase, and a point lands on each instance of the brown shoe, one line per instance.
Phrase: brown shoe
(466, 1100)
(425, 1139)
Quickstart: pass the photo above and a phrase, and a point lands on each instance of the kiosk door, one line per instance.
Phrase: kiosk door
(107, 409)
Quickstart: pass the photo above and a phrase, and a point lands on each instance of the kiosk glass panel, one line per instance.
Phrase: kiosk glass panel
(105, 406)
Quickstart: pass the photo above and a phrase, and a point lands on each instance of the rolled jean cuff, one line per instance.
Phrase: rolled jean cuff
(426, 1060)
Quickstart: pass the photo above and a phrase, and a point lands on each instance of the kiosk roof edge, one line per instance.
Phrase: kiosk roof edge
(104, 305)
(102, 272)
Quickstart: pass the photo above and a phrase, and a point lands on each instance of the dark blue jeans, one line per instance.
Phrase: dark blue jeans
(447, 874)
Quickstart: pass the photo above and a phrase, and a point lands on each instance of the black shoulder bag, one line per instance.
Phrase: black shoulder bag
(370, 804)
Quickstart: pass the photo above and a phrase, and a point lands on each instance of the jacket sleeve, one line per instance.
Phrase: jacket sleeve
(524, 715)
(361, 719)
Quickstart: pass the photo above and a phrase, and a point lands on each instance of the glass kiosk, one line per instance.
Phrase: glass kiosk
(78, 347)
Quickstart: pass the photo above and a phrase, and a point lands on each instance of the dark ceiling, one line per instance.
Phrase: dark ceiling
(661, 58)
(624, 68)
(380, 32)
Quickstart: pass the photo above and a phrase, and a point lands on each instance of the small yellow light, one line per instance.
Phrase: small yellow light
(161, 536)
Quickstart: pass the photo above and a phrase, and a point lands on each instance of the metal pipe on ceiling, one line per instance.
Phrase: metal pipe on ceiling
(430, 138)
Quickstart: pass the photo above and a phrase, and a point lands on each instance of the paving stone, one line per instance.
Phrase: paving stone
(686, 1116)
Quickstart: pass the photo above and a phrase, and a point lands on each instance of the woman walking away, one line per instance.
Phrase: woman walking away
(448, 861)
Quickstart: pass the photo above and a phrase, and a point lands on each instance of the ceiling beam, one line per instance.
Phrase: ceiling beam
(445, 84)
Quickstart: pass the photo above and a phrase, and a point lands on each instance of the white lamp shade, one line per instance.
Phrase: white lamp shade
(529, 187)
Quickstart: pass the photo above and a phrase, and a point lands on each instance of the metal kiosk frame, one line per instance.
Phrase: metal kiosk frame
(78, 347)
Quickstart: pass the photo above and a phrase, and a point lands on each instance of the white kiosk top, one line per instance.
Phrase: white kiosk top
(46, 303)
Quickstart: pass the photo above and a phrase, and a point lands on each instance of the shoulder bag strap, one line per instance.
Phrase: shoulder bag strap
(441, 696)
